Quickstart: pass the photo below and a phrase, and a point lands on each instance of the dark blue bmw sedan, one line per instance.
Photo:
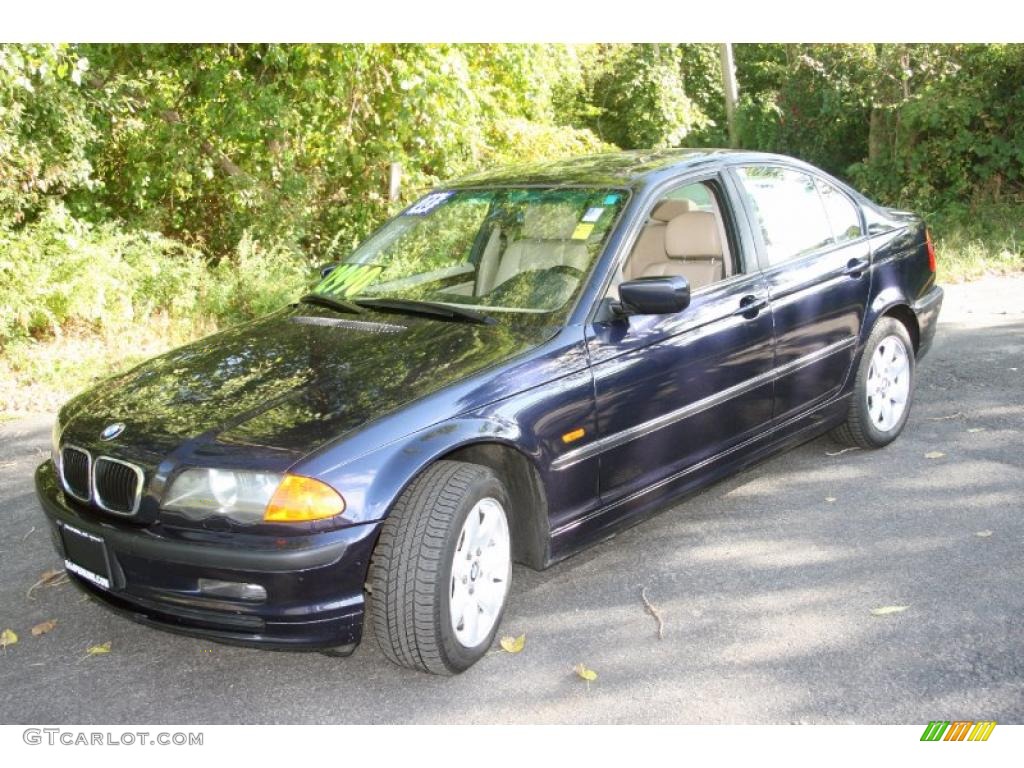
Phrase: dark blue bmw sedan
(518, 365)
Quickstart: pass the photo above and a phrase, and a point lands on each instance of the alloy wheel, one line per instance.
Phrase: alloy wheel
(481, 568)
(888, 383)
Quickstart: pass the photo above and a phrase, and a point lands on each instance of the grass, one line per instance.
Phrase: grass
(40, 375)
(973, 243)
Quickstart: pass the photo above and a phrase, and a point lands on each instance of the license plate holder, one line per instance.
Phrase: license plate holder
(85, 555)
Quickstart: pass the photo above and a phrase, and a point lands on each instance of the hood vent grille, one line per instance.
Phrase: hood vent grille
(352, 325)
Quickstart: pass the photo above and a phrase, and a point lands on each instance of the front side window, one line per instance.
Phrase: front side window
(789, 210)
(499, 250)
(685, 235)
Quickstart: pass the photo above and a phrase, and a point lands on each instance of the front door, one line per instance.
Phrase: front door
(675, 390)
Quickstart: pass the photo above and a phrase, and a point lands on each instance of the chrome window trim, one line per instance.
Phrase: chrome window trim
(138, 487)
(88, 472)
(672, 417)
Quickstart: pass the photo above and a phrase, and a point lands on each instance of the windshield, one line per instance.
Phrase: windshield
(497, 250)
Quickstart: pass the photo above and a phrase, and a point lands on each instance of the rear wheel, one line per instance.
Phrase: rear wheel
(883, 390)
(442, 568)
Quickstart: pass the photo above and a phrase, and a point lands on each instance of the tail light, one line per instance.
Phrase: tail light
(931, 250)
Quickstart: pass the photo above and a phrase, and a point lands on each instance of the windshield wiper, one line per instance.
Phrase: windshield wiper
(339, 305)
(428, 308)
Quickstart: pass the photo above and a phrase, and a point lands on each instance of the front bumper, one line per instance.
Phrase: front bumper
(927, 311)
(314, 583)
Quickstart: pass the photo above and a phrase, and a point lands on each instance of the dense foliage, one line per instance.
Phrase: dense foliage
(205, 181)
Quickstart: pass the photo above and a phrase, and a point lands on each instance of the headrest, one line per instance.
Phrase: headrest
(692, 234)
(669, 209)
(549, 221)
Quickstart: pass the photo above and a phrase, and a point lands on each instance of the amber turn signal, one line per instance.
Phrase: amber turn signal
(572, 437)
(301, 499)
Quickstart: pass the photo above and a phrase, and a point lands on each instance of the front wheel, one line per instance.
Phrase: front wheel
(883, 390)
(442, 568)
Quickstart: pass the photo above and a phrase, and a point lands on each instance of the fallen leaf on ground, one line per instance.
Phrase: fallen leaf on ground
(7, 637)
(43, 627)
(887, 610)
(513, 644)
(587, 674)
(934, 455)
(96, 650)
(983, 534)
(830, 498)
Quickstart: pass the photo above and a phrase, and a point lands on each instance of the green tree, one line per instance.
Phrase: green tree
(640, 98)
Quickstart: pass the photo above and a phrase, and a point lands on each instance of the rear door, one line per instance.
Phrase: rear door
(817, 266)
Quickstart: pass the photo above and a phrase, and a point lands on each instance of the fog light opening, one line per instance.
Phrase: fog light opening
(233, 590)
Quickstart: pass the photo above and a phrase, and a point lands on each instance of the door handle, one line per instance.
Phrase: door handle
(751, 304)
(856, 267)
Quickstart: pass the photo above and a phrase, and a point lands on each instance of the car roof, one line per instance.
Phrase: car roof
(612, 169)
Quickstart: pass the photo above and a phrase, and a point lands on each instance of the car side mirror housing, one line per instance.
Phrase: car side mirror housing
(654, 295)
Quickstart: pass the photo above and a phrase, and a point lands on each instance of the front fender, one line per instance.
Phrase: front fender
(371, 483)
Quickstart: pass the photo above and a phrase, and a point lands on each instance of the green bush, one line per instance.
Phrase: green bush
(62, 273)
(255, 280)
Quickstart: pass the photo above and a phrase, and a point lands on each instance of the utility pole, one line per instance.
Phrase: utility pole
(731, 91)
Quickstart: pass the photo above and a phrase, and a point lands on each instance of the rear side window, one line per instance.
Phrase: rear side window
(789, 210)
(842, 213)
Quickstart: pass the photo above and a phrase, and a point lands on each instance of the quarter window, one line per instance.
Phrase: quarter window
(789, 210)
(842, 214)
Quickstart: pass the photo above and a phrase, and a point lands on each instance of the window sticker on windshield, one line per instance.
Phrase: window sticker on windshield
(349, 279)
(593, 214)
(582, 231)
(427, 204)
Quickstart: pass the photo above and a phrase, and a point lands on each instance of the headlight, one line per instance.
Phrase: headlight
(251, 497)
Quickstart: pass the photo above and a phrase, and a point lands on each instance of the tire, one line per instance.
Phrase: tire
(884, 376)
(436, 597)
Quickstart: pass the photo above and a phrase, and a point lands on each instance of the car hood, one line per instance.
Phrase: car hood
(287, 383)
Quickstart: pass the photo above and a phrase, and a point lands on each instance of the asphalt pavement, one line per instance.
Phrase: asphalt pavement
(766, 585)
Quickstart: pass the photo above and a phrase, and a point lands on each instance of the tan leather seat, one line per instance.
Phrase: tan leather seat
(545, 242)
(650, 246)
(693, 249)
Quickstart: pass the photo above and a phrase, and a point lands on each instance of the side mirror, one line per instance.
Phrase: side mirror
(654, 295)
(326, 269)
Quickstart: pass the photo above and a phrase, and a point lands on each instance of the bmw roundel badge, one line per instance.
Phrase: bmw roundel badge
(112, 430)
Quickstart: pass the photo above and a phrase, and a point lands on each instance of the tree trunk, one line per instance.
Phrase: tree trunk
(876, 135)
